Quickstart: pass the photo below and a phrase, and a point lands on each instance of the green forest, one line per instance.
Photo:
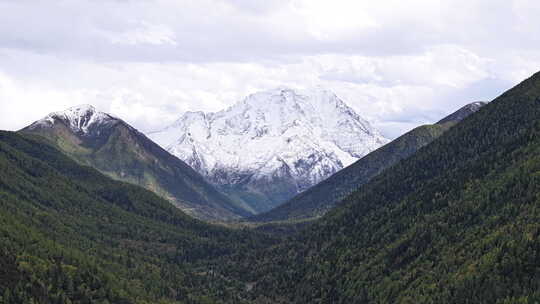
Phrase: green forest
(72, 235)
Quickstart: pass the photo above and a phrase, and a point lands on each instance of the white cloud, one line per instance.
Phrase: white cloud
(21, 103)
(333, 20)
(144, 33)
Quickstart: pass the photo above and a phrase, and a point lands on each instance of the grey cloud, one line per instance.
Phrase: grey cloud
(237, 30)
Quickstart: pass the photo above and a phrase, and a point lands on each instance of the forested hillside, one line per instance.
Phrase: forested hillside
(458, 222)
(324, 196)
(72, 235)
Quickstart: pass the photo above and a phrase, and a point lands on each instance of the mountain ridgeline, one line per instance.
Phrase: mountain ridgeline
(115, 148)
(324, 196)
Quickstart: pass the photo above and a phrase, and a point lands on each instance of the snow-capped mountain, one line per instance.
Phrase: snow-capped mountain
(271, 145)
(118, 150)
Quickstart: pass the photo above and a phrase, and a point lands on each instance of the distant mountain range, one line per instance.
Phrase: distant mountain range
(320, 198)
(115, 148)
(272, 145)
(291, 142)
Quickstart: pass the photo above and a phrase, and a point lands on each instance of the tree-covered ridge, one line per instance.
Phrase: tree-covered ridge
(456, 222)
(72, 235)
(324, 196)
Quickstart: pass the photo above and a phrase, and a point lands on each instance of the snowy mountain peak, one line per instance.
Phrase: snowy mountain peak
(283, 135)
(80, 119)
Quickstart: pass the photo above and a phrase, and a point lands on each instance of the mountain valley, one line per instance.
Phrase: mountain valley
(455, 221)
(270, 152)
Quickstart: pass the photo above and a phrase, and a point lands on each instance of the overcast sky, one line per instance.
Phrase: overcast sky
(397, 63)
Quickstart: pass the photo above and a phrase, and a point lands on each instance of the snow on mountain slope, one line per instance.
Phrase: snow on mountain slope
(82, 119)
(281, 136)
